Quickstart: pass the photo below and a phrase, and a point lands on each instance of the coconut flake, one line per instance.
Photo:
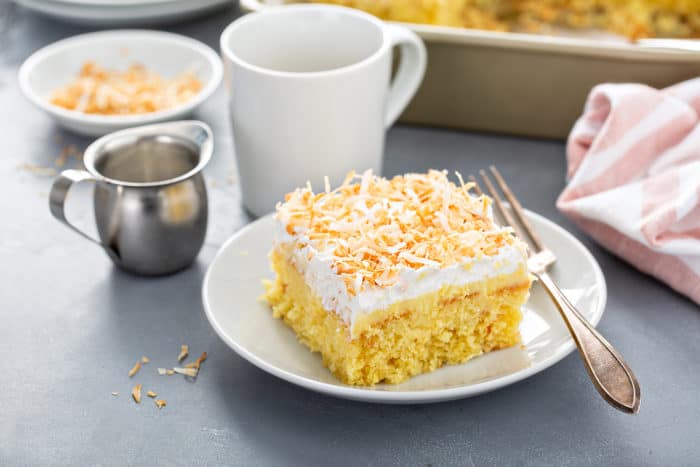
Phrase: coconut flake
(192, 372)
(184, 352)
(135, 369)
(136, 393)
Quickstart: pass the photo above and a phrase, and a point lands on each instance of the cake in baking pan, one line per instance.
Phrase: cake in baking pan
(631, 18)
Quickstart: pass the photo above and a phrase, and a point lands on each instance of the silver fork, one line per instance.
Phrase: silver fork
(609, 372)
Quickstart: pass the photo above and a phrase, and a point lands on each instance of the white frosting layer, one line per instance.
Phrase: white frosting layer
(330, 287)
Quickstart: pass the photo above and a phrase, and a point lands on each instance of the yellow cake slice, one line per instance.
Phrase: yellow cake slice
(388, 279)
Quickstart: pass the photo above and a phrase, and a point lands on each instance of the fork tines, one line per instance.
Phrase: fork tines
(516, 219)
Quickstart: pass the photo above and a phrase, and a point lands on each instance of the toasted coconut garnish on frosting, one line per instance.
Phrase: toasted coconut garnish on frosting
(372, 227)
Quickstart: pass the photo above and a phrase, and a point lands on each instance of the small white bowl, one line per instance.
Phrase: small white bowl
(164, 53)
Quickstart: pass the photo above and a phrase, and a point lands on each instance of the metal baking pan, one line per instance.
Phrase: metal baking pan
(527, 84)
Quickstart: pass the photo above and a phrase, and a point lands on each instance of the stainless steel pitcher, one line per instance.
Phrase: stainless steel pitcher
(150, 199)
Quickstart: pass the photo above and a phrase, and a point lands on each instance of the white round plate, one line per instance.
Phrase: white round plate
(232, 287)
(165, 53)
(122, 12)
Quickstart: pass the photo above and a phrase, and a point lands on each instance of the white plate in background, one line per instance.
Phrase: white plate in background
(165, 53)
(232, 287)
(122, 12)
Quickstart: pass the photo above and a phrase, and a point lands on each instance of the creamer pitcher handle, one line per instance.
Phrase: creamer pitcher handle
(59, 193)
(412, 62)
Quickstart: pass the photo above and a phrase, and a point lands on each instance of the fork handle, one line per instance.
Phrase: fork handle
(611, 375)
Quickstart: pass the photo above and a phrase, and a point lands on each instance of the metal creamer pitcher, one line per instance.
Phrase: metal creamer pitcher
(150, 199)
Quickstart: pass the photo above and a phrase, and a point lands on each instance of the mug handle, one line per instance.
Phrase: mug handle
(410, 73)
(59, 193)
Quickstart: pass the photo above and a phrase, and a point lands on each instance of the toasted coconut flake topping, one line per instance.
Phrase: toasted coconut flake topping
(377, 227)
(135, 369)
(169, 372)
(145, 359)
(151, 394)
(160, 403)
(184, 352)
(136, 393)
(162, 371)
(115, 393)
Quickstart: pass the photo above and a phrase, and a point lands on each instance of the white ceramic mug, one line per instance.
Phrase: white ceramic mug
(311, 95)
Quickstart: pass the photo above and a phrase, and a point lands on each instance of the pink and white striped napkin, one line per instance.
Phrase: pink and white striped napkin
(634, 178)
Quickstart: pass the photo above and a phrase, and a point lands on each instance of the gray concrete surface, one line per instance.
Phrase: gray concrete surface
(71, 326)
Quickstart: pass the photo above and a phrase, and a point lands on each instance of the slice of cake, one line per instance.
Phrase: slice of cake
(391, 278)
